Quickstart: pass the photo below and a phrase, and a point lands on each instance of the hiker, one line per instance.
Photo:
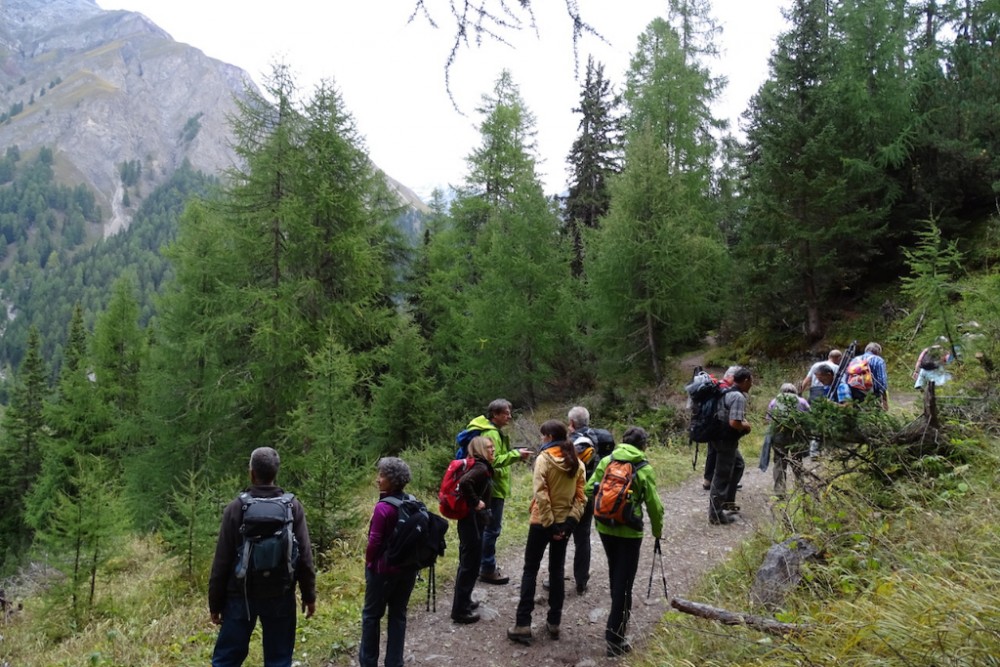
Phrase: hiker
(878, 382)
(930, 364)
(622, 542)
(556, 507)
(811, 383)
(841, 395)
(236, 606)
(788, 445)
(729, 463)
(476, 485)
(706, 483)
(386, 587)
(498, 415)
(579, 427)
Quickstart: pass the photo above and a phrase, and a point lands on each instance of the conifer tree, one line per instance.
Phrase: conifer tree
(21, 446)
(513, 275)
(593, 158)
(656, 266)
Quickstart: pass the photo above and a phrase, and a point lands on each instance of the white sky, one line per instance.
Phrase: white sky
(391, 75)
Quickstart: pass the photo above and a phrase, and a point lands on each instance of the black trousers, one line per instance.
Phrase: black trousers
(539, 539)
(470, 552)
(623, 562)
(581, 545)
(729, 467)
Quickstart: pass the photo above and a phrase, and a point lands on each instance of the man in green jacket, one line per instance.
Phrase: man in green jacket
(622, 542)
(497, 416)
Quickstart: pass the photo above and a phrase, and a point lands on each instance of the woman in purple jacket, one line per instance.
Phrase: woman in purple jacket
(386, 587)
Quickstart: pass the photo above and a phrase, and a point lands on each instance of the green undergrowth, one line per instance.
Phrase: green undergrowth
(908, 575)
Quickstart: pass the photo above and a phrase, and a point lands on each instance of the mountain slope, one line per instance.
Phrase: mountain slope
(105, 88)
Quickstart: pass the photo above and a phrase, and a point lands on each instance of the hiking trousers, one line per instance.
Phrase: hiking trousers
(581, 545)
(385, 592)
(540, 539)
(470, 552)
(277, 624)
(623, 563)
(729, 468)
(490, 534)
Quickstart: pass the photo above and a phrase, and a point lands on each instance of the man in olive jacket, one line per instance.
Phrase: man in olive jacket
(622, 543)
(498, 415)
(235, 609)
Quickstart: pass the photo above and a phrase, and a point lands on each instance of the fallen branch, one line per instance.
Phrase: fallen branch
(768, 625)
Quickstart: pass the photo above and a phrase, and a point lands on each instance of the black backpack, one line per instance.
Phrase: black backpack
(602, 441)
(268, 553)
(705, 394)
(418, 538)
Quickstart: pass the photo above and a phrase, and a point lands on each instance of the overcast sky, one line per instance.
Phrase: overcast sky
(391, 74)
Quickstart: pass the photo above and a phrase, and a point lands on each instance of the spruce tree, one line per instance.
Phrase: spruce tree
(593, 158)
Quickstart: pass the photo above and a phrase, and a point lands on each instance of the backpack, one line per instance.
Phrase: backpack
(705, 394)
(859, 374)
(615, 499)
(592, 445)
(451, 502)
(418, 538)
(463, 439)
(269, 553)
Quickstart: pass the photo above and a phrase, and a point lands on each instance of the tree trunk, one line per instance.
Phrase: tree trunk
(768, 625)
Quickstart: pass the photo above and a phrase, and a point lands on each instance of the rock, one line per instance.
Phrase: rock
(780, 572)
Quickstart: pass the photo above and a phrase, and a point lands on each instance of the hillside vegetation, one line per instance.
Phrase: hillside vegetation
(292, 312)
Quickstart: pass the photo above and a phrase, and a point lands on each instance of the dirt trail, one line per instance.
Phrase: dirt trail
(690, 547)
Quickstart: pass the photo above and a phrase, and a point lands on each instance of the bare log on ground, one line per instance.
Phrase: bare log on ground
(762, 623)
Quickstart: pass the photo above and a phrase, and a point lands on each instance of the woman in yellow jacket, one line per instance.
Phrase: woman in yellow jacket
(556, 508)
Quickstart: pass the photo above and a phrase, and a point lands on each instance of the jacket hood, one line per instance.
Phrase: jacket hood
(482, 423)
(627, 452)
(558, 460)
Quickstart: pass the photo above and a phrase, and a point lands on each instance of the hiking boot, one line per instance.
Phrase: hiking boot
(721, 520)
(466, 618)
(520, 634)
(553, 630)
(494, 577)
(581, 589)
(616, 650)
(706, 484)
(730, 507)
(474, 605)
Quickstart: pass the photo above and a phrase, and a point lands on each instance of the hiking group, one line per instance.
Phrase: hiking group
(579, 474)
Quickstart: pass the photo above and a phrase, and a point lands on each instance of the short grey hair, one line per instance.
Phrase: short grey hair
(788, 388)
(873, 348)
(264, 464)
(395, 470)
(731, 372)
(636, 436)
(579, 417)
(497, 406)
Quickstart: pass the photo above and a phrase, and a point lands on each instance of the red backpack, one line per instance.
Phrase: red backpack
(451, 502)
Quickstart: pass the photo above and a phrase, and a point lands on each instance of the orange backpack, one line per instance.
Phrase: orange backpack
(616, 499)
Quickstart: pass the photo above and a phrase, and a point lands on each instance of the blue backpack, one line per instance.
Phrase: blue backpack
(463, 439)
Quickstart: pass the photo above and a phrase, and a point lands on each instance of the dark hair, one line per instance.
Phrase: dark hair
(742, 375)
(264, 464)
(636, 436)
(557, 430)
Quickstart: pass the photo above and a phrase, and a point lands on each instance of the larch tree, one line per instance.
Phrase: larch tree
(656, 266)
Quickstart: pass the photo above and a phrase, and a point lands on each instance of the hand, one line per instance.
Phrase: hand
(571, 525)
(309, 608)
(480, 506)
(525, 453)
(216, 618)
(558, 531)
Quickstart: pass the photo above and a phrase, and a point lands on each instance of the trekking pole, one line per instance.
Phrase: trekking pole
(694, 461)
(831, 391)
(431, 589)
(663, 574)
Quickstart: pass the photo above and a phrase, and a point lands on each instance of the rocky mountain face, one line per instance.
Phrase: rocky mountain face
(104, 88)
(108, 88)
